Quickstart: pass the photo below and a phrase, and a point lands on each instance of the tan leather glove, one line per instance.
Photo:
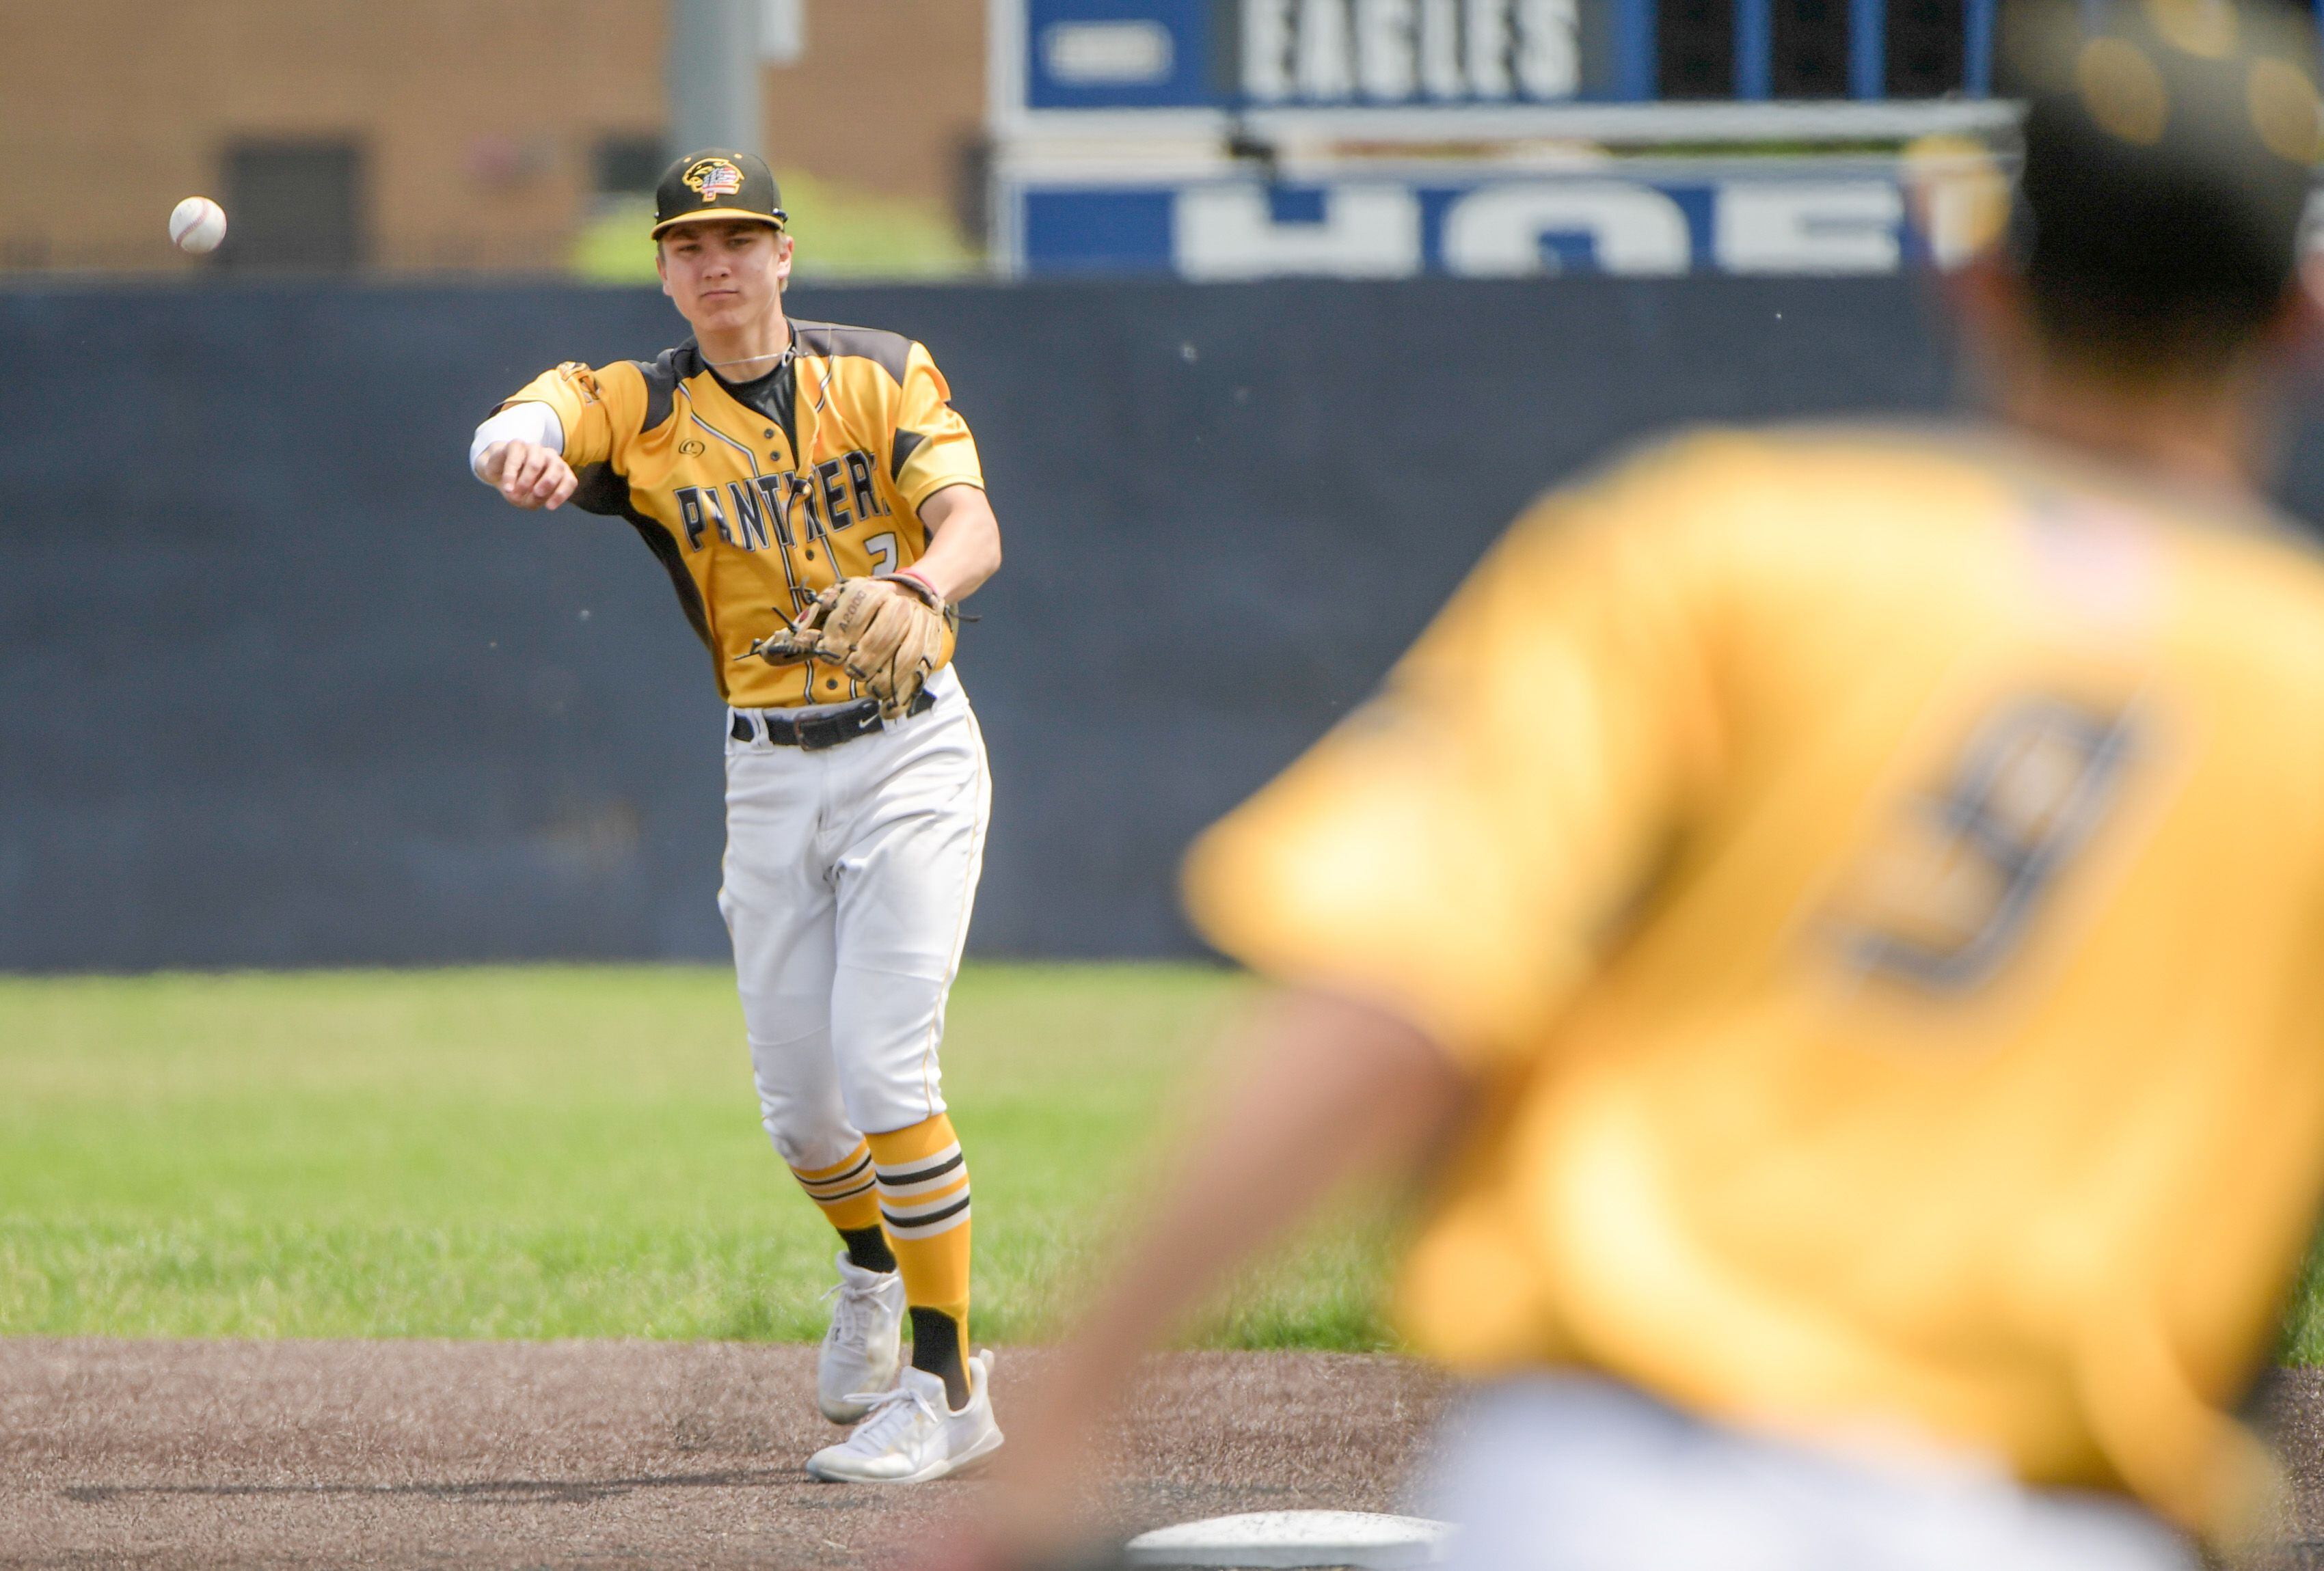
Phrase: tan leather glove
(890, 634)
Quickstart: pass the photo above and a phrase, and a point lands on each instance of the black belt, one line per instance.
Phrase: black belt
(814, 732)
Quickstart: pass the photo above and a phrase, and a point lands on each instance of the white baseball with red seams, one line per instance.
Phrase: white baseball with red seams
(196, 225)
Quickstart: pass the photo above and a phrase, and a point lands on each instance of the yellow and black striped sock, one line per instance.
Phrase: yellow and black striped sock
(844, 1192)
(924, 1206)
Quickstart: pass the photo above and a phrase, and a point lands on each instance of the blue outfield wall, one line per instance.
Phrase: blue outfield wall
(280, 685)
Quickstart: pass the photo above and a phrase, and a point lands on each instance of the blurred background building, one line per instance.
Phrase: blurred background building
(433, 136)
(919, 138)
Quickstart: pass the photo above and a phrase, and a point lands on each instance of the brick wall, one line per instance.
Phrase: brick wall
(476, 121)
(889, 98)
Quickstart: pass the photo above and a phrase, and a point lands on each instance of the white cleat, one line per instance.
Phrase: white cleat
(864, 1345)
(912, 1435)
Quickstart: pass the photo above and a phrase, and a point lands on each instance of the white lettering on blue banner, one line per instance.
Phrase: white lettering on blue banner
(1489, 227)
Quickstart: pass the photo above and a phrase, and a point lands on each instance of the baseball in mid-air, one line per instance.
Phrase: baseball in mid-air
(197, 225)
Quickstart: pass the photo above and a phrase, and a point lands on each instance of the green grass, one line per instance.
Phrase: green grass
(570, 1152)
(2304, 1320)
(561, 1152)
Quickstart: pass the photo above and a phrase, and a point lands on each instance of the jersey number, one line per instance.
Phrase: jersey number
(1949, 892)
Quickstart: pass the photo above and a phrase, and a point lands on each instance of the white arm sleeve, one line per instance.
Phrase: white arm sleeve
(526, 422)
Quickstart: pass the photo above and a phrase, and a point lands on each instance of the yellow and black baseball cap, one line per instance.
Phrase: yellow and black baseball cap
(2169, 146)
(717, 183)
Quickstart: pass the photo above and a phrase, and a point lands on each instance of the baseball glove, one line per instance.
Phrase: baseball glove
(890, 634)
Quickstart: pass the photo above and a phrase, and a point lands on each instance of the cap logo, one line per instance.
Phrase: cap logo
(713, 178)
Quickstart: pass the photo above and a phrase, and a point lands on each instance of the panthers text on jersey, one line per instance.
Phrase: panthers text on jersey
(758, 495)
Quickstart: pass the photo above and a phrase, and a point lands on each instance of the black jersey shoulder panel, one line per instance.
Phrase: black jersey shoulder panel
(663, 372)
(891, 352)
(906, 444)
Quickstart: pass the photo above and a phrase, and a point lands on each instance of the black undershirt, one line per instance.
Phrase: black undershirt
(770, 395)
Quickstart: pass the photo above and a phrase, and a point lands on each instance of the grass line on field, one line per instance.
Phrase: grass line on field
(545, 1152)
(550, 1151)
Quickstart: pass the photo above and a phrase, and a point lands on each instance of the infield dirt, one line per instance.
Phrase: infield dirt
(292, 1454)
(287, 1455)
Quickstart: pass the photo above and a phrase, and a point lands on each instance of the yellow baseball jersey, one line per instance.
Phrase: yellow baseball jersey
(1878, 881)
(757, 496)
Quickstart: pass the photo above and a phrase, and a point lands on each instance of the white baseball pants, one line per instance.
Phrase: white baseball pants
(1568, 1473)
(850, 872)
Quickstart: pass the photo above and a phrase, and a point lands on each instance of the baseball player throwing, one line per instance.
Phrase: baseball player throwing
(819, 508)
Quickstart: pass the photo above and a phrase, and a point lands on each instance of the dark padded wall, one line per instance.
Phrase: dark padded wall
(280, 685)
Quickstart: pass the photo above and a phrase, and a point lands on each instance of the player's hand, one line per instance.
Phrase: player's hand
(527, 474)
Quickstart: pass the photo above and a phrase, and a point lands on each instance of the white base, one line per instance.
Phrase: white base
(1273, 1538)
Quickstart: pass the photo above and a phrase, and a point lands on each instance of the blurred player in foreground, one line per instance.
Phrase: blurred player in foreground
(1839, 913)
(819, 508)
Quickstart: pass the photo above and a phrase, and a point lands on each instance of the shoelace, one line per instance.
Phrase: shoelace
(850, 1320)
(890, 1409)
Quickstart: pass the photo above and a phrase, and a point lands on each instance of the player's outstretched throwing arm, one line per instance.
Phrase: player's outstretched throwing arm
(520, 454)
